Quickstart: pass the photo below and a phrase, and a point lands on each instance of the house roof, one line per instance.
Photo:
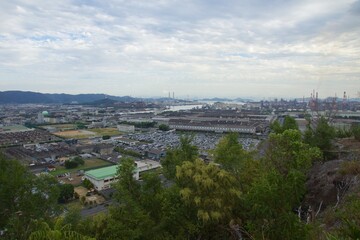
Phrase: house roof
(102, 173)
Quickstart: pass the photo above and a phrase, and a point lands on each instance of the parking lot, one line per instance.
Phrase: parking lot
(164, 140)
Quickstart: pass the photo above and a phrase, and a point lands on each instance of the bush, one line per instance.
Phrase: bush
(71, 164)
(350, 167)
(79, 160)
(343, 133)
(356, 132)
(88, 184)
(105, 137)
(164, 127)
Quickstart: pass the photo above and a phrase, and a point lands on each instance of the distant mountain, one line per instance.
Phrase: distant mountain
(20, 97)
(216, 99)
(226, 100)
(243, 100)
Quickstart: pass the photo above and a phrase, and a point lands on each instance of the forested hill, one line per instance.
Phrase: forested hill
(20, 97)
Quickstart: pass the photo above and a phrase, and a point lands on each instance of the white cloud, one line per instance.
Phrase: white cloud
(196, 48)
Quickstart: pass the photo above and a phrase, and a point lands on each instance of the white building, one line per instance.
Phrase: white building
(126, 128)
(102, 178)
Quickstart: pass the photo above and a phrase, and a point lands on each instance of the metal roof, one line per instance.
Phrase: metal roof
(102, 173)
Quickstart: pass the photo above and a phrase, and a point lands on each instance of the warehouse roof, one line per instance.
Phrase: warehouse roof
(102, 173)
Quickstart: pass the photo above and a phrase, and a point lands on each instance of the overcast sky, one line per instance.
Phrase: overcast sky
(143, 48)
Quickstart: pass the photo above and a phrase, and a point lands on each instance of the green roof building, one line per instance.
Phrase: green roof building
(102, 178)
(102, 173)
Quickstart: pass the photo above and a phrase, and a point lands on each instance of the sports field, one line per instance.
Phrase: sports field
(105, 131)
(76, 134)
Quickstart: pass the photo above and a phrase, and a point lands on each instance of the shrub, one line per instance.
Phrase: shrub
(350, 167)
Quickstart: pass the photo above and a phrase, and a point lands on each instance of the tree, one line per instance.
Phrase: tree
(321, 136)
(356, 132)
(211, 189)
(127, 219)
(212, 193)
(66, 192)
(267, 207)
(268, 204)
(59, 232)
(289, 123)
(106, 137)
(80, 125)
(185, 152)
(88, 184)
(78, 160)
(164, 127)
(69, 164)
(74, 163)
(229, 153)
(24, 197)
(287, 151)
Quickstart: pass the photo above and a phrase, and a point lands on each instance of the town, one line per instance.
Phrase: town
(45, 137)
(83, 145)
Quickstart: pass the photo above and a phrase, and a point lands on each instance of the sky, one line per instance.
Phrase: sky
(196, 49)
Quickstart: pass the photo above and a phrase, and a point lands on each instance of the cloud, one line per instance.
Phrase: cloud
(197, 48)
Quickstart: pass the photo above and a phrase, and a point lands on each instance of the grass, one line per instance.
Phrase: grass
(105, 131)
(89, 164)
(75, 204)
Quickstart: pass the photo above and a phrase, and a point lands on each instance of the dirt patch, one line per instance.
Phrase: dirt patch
(82, 191)
(94, 198)
(75, 134)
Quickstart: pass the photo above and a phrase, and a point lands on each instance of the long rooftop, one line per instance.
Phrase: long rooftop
(102, 173)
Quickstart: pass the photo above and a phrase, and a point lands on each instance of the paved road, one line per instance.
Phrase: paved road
(88, 212)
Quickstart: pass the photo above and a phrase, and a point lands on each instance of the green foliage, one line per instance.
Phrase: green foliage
(72, 217)
(275, 127)
(286, 151)
(24, 197)
(128, 220)
(128, 152)
(80, 125)
(74, 163)
(279, 188)
(289, 123)
(175, 157)
(347, 218)
(106, 137)
(66, 192)
(59, 232)
(321, 137)
(229, 153)
(211, 190)
(356, 132)
(268, 206)
(87, 183)
(350, 167)
(164, 127)
(343, 133)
